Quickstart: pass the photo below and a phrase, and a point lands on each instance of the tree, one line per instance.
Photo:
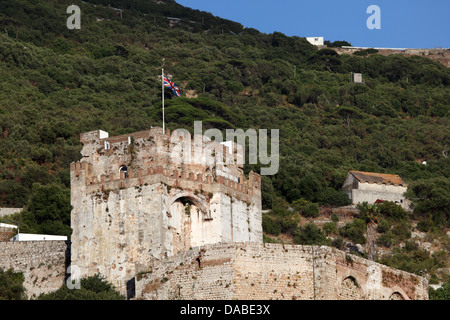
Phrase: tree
(306, 208)
(91, 288)
(328, 59)
(267, 193)
(48, 210)
(354, 231)
(431, 198)
(310, 234)
(330, 228)
(331, 197)
(348, 113)
(392, 211)
(11, 285)
(442, 293)
(337, 44)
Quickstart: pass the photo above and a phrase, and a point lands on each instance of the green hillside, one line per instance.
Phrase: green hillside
(56, 83)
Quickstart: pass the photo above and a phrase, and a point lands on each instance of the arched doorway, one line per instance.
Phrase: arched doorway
(396, 296)
(350, 289)
(187, 218)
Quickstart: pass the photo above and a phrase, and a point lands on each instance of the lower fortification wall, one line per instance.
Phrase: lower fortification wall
(256, 271)
(440, 55)
(227, 271)
(43, 264)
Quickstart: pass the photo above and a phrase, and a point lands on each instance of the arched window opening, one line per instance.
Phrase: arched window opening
(123, 169)
(350, 289)
(396, 296)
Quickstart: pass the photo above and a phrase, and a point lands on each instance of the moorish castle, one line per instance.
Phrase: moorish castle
(170, 216)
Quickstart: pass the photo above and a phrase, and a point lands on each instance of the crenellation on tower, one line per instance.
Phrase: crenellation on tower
(145, 195)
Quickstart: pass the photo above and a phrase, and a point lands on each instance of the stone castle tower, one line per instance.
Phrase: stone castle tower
(150, 195)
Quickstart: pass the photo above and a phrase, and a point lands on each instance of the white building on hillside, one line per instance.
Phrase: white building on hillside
(317, 41)
(375, 188)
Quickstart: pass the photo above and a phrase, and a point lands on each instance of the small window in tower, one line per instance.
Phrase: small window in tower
(124, 170)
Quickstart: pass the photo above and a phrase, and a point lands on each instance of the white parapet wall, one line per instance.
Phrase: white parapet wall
(37, 237)
(8, 226)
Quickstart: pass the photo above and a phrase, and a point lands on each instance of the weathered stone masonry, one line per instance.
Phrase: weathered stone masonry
(135, 200)
(272, 271)
(43, 263)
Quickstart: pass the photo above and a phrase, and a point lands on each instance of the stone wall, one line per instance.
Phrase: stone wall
(9, 211)
(371, 192)
(43, 264)
(255, 271)
(440, 55)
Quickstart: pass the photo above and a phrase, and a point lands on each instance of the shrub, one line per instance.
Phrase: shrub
(425, 225)
(331, 197)
(275, 225)
(330, 228)
(334, 218)
(386, 239)
(383, 226)
(415, 260)
(392, 211)
(360, 53)
(338, 243)
(402, 231)
(48, 210)
(91, 288)
(306, 208)
(355, 231)
(443, 293)
(310, 234)
(271, 225)
(311, 210)
(11, 285)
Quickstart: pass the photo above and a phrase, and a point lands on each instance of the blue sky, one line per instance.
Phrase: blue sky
(404, 23)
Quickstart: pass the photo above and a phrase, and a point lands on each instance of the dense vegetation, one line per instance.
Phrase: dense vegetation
(56, 83)
(11, 285)
(91, 288)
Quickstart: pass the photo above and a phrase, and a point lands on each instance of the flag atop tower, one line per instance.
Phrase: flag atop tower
(169, 84)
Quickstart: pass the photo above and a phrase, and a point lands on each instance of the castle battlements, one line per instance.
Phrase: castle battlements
(149, 195)
(148, 156)
(172, 178)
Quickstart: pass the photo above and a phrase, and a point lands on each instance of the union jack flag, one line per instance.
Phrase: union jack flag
(167, 83)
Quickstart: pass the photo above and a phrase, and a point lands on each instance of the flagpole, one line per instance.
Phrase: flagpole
(162, 81)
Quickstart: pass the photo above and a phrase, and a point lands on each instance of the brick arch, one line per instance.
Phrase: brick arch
(396, 296)
(350, 289)
(182, 224)
(199, 203)
(397, 293)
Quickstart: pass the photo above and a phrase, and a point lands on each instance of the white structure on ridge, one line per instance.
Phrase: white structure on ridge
(317, 41)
